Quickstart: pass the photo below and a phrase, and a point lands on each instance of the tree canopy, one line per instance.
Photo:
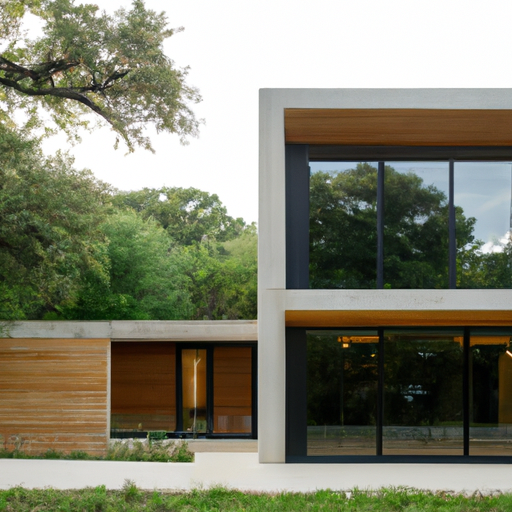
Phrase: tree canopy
(85, 61)
(50, 216)
(72, 247)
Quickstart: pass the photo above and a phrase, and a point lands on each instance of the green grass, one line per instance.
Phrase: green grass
(130, 498)
(148, 452)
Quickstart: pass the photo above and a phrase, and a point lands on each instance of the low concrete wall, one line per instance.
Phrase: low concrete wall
(242, 471)
(148, 330)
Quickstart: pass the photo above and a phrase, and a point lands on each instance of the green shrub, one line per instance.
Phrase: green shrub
(139, 451)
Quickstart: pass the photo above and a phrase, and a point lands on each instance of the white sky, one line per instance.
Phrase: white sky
(236, 47)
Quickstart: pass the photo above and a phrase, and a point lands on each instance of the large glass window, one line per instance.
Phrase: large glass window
(143, 386)
(182, 389)
(402, 393)
(490, 391)
(343, 216)
(342, 377)
(483, 199)
(416, 225)
(232, 390)
(423, 406)
(410, 224)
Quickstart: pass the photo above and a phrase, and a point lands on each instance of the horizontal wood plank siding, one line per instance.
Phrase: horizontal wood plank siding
(54, 394)
(399, 127)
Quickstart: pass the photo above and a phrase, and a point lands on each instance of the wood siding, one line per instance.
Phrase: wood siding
(53, 394)
(143, 386)
(399, 127)
(232, 390)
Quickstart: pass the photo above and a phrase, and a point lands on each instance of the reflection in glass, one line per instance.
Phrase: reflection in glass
(484, 250)
(490, 384)
(416, 225)
(423, 404)
(194, 390)
(342, 378)
(343, 221)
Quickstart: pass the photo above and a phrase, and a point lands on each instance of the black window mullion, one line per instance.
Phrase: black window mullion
(452, 243)
(380, 226)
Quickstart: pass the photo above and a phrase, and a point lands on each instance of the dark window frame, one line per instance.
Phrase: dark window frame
(297, 174)
(209, 434)
(296, 402)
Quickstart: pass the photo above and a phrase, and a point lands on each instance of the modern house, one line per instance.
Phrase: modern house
(385, 264)
(385, 304)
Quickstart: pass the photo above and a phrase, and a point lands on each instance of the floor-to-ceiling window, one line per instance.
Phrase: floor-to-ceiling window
(399, 393)
(409, 224)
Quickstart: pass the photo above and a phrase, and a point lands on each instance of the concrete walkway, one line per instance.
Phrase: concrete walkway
(223, 445)
(242, 471)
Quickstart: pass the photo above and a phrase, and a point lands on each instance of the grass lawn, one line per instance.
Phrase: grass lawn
(132, 499)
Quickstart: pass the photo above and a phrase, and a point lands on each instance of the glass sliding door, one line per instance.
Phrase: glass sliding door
(402, 392)
(490, 391)
(194, 390)
(423, 393)
(342, 381)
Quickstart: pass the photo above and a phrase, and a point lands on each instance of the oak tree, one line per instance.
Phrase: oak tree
(89, 61)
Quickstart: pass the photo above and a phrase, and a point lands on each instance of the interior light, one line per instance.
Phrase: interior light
(508, 353)
(345, 341)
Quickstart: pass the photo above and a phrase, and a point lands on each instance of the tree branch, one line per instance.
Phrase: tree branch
(59, 92)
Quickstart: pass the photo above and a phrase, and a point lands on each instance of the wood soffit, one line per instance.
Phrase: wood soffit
(398, 127)
(383, 318)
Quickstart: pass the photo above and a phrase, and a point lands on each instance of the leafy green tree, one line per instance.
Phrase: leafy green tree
(223, 278)
(89, 61)
(50, 215)
(476, 269)
(146, 281)
(189, 215)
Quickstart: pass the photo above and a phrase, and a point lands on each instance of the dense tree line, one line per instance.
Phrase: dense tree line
(72, 247)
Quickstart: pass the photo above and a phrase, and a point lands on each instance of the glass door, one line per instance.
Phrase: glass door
(194, 390)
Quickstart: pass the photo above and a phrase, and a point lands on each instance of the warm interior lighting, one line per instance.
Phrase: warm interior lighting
(508, 353)
(357, 339)
(345, 340)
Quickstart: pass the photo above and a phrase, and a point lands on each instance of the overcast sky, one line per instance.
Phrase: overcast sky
(234, 48)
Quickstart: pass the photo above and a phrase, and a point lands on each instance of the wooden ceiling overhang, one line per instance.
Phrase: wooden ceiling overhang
(325, 130)
(383, 318)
